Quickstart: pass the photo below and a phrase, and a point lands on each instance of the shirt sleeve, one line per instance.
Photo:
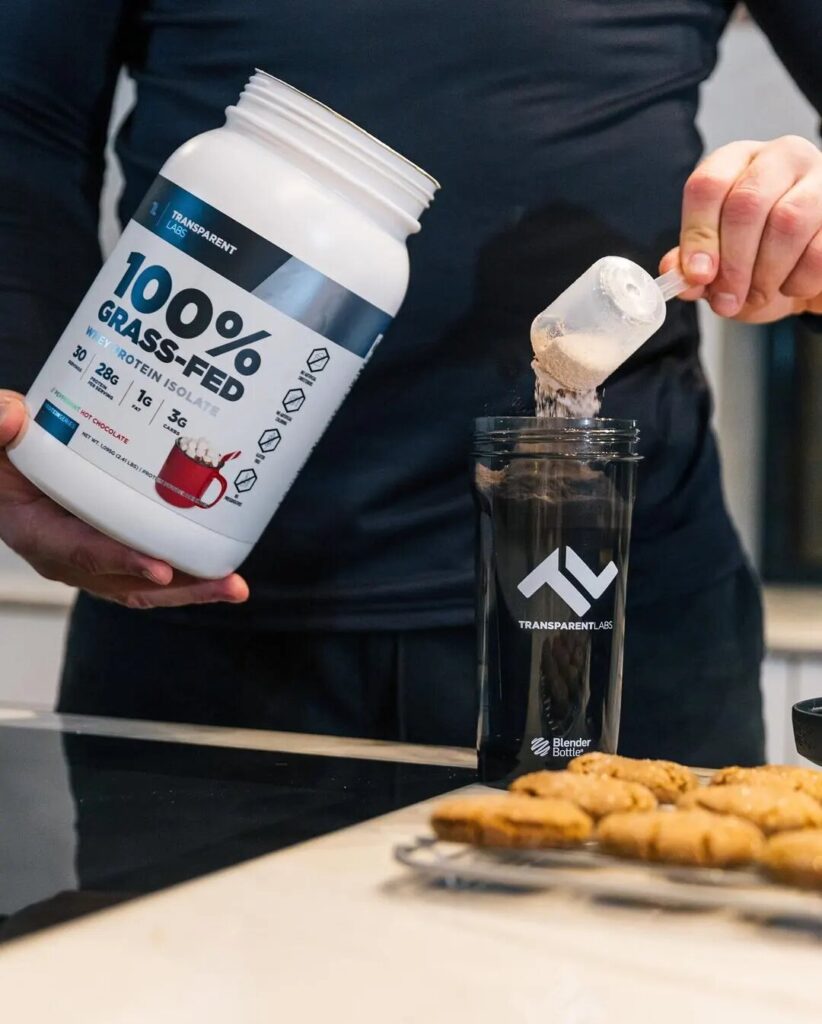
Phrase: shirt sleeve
(794, 28)
(58, 67)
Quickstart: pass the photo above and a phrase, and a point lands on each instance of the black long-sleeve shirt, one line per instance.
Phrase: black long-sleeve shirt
(562, 131)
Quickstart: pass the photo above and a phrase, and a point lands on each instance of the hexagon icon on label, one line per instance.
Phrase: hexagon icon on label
(269, 439)
(293, 400)
(245, 480)
(318, 360)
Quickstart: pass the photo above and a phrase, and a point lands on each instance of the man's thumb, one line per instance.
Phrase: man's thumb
(12, 416)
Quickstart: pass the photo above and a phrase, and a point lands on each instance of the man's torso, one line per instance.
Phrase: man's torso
(561, 132)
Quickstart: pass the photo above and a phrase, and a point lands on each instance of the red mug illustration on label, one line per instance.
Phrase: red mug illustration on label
(192, 465)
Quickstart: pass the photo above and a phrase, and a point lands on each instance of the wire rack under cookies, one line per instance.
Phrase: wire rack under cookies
(600, 876)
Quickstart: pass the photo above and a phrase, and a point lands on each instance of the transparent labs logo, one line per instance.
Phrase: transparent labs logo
(549, 574)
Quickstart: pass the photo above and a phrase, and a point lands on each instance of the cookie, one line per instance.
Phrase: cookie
(597, 795)
(665, 779)
(795, 858)
(770, 808)
(681, 837)
(803, 780)
(512, 821)
(459, 820)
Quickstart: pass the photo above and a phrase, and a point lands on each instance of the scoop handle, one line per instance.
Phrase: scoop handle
(671, 284)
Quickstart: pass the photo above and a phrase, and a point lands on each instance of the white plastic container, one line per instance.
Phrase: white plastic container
(225, 329)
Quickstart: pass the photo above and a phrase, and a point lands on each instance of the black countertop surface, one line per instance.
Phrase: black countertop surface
(87, 821)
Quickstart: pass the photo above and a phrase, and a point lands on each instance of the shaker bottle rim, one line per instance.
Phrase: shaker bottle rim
(557, 437)
(554, 424)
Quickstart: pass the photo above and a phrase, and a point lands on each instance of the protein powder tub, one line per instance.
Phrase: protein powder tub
(253, 283)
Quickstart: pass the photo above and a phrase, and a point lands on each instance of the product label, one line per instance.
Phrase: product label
(204, 364)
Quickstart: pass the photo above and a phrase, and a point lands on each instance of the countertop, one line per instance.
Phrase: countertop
(95, 812)
(335, 929)
(793, 620)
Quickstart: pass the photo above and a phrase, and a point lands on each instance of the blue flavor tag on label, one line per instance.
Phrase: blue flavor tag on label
(56, 422)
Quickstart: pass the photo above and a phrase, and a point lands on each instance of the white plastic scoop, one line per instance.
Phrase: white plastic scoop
(598, 322)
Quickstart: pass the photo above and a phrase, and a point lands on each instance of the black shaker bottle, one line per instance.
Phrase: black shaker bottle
(555, 500)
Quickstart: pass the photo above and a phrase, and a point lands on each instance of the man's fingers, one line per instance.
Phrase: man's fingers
(703, 198)
(12, 416)
(792, 223)
(745, 213)
(804, 280)
(63, 547)
(54, 541)
(232, 589)
(185, 590)
(671, 261)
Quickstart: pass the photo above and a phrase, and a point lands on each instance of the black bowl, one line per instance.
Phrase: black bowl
(807, 728)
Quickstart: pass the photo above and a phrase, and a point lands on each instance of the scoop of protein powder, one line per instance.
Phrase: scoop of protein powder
(599, 321)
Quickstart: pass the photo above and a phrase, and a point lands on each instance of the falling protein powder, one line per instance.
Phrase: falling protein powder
(576, 396)
(552, 400)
